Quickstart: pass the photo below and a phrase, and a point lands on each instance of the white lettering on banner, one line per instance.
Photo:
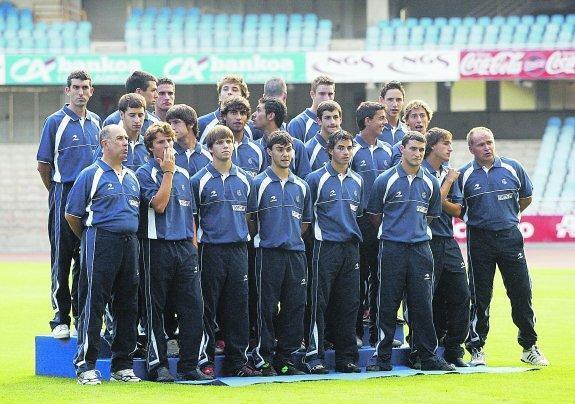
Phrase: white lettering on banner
(379, 66)
(527, 229)
(253, 63)
(459, 230)
(102, 64)
(567, 227)
(181, 69)
(487, 64)
(561, 63)
(31, 69)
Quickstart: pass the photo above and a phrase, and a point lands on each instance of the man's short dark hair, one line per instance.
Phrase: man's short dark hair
(338, 136)
(366, 109)
(139, 79)
(186, 114)
(152, 133)
(434, 136)
(78, 75)
(392, 85)
(280, 137)
(131, 100)
(412, 135)
(236, 103)
(276, 106)
(328, 106)
(165, 80)
(275, 87)
(216, 133)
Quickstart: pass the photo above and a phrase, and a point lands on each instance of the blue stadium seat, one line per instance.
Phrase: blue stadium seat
(498, 20)
(455, 21)
(440, 21)
(469, 21)
(513, 20)
(528, 20)
(396, 22)
(484, 21)
(542, 19)
(425, 22)
(557, 19)
(411, 22)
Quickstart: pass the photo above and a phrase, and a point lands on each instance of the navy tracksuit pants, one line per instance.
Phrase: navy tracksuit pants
(109, 273)
(224, 270)
(405, 269)
(450, 295)
(503, 248)
(280, 277)
(369, 283)
(335, 295)
(172, 270)
(64, 247)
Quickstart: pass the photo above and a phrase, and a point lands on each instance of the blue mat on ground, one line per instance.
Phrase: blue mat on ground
(398, 371)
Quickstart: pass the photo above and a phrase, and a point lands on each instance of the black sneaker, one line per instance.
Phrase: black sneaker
(413, 360)
(379, 366)
(288, 369)
(194, 375)
(456, 361)
(245, 371)
(316, 369)
(162, 375)
(267, 370)
(348, 368)
(437, 363)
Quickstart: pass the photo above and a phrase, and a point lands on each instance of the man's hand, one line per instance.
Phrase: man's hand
(452, 175)
(169, 161)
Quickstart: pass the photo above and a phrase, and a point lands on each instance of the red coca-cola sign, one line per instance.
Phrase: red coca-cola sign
(518, 64)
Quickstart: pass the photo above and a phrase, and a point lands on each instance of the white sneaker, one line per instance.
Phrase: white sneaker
(534, 357)
(89, 377)
(124, 375)
(477, 358)
(61, 331)
(358, 341)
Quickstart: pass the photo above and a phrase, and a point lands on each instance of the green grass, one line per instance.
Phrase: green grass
(25, 311)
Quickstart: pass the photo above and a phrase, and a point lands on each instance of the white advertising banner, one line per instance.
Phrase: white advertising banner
(381, 66)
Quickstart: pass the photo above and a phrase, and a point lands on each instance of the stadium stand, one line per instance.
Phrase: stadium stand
(513, 31)
(554, 176)
(20, 34)
(190, 30)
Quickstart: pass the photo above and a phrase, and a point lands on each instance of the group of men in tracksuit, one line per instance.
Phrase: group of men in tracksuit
(368, 203)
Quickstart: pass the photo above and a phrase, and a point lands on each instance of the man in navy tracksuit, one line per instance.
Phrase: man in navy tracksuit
(338, 197)
(103, 209)
(170, 258)
(391, 96)
(329, 121)
(281, 207)
(495, 191)
(221, 191)
(371, 157)
(67, 144)
(402, 201)
(450, 287)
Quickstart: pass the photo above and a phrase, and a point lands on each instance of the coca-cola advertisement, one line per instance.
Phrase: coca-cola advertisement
(518, 64)
(535, 228)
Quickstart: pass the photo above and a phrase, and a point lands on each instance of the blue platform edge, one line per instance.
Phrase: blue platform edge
(54, 357)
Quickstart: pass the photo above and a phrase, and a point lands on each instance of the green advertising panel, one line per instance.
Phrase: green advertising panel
(183, 69)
